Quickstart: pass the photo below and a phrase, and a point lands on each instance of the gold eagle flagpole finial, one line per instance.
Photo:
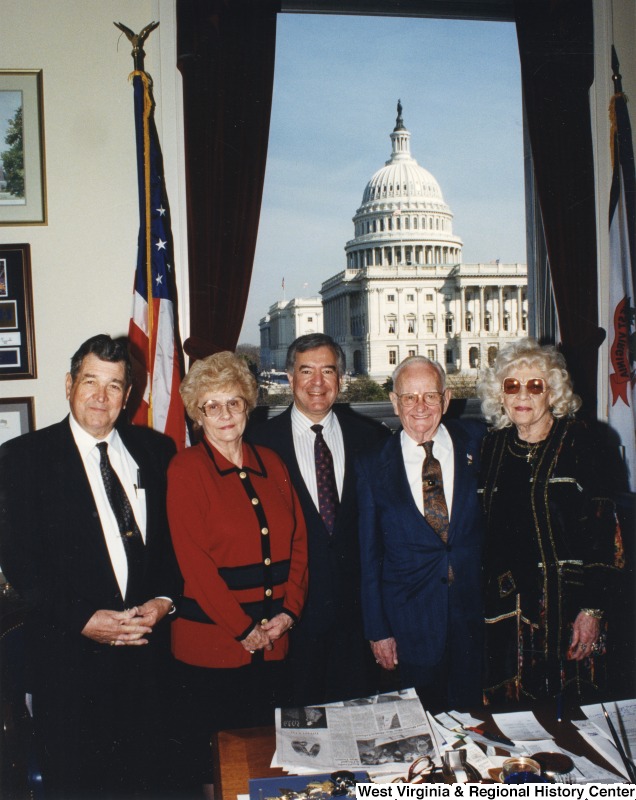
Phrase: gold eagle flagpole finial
(137, 40)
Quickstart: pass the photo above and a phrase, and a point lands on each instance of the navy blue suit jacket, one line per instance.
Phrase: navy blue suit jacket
(334, 570)
(405, 565)
(52, 546)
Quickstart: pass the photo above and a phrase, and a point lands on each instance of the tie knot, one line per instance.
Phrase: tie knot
(428, 448)
(103, 448)
(317, 429)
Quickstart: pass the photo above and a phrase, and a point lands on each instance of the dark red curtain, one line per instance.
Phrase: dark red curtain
(556, 46)
(226, 59)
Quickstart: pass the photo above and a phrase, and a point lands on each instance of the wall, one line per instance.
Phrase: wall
(83, 260)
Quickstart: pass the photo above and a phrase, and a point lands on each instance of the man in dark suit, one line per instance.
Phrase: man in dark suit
(97, 640)
(420, 543)
(328, 656)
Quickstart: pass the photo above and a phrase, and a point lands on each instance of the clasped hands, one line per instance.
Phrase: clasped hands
(263, 635)
(129, 627)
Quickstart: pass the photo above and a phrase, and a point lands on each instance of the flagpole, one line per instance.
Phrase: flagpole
(138, 55)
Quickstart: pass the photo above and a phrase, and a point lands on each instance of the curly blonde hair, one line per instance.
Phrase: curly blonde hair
(221, 372)
(527, 354)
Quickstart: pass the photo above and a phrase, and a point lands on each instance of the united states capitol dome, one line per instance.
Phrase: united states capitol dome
(402, 209)
(402, 178)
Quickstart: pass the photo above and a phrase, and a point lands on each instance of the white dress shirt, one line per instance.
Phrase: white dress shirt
(414, 456)
(304, 439)
(127, 471)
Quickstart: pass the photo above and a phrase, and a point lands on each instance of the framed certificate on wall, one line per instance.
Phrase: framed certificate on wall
(17, 336)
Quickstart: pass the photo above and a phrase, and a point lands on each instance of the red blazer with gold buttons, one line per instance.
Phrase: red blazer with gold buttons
(241, 542)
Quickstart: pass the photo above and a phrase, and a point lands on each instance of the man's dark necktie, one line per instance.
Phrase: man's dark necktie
(128, 529)
(435, 509)
(326, 480)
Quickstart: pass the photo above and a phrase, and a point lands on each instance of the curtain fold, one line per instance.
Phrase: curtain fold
(556, 47)
(226, 59)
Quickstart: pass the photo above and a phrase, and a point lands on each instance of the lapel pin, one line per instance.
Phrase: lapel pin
(469, 459)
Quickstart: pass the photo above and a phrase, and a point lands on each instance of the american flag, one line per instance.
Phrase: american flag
(622, 220)
(153, 332)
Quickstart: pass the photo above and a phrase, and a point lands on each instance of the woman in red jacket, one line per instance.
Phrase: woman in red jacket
(241, 542)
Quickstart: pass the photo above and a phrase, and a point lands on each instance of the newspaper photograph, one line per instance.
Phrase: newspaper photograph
(380, 733)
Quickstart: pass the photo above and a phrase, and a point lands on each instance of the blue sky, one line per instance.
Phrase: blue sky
(337, 83)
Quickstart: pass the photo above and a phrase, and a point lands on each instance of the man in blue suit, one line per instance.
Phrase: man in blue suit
(420, 543)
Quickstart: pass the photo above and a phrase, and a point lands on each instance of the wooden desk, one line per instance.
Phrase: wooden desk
(247, 753)
(240, 755)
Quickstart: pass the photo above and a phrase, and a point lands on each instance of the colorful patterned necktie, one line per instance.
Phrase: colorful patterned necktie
(435, 509)
(128, 529)
(326, 480)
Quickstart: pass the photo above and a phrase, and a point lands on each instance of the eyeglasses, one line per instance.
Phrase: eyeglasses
(533, 386)
(419, 771)
(236, 405)
(410, 399)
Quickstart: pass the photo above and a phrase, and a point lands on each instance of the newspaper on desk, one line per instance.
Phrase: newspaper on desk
(382, 734)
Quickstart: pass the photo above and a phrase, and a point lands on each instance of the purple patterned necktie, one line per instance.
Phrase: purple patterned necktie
(435, 509)
(326, 480)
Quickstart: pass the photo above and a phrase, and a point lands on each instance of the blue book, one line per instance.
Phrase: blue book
(262, 788)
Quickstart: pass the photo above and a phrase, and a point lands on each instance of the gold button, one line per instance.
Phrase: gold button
(267, 562)
(264, 621)
(264, 531)
(254, 501)
(243, 475)
(268, 592)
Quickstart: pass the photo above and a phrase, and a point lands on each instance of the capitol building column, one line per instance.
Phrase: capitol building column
(462, 309)
(482, 314)
(501, 309)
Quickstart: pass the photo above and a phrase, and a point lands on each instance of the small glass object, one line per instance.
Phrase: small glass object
(521, 769)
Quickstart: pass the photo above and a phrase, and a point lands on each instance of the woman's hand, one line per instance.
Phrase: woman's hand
(257, 639)
(278, 625)
(585, 633)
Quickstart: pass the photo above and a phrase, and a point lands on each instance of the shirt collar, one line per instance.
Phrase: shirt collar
(302, 424)
(85, 442)
(442, 439)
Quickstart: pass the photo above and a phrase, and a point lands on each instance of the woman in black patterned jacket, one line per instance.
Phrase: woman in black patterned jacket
(553, 541)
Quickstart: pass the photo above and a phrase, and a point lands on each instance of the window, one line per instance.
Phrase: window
(310, 319)
(429, 298)
(506, 322)
(431, 354)
(391, 326)
(412, 353)
(411, 325)
(410, 298)
(392, 357)
(449, 357)
(468, 323)
(448, 325)
(430, 325)
(473, 357)
(448, 298)
(487, 321)
(390, 298)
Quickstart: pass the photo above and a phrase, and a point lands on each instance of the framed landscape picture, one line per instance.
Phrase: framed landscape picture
(17, 335)
(22, 162)
(16, 417)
